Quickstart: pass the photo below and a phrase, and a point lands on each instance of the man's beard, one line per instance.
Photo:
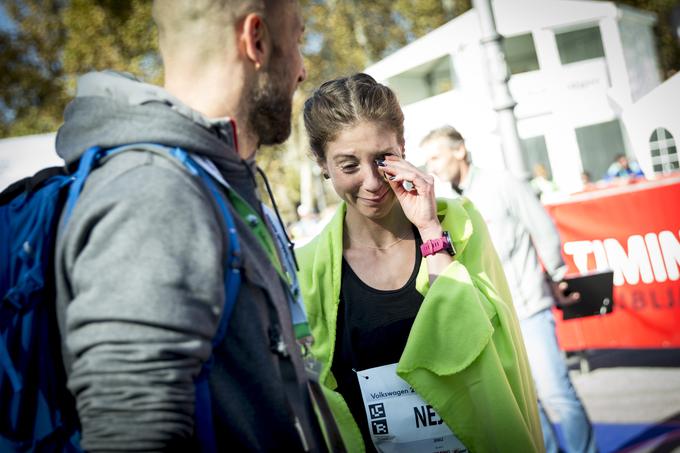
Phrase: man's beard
(271, 106)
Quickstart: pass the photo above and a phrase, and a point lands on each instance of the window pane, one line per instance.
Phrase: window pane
(662, 149)
(520, 53)
(579, 45)
(535, 152)
(599, 144)
(424, 81)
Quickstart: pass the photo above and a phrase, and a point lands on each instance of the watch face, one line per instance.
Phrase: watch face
(449, 244)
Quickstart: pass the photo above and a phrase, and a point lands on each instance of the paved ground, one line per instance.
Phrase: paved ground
(633, 398)
(630, 395)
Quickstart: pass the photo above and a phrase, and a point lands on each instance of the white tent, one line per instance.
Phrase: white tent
(24, 156)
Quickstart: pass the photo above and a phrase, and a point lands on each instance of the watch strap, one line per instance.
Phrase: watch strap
(432, 246)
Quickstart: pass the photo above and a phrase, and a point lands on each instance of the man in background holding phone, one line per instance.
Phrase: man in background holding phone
(521, 231)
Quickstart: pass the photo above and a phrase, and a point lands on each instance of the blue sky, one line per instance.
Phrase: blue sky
(5, 22)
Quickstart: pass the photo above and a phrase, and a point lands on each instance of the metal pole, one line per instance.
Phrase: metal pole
(502, 100)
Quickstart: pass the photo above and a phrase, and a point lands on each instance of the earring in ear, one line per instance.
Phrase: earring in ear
(326, 175)
(257, 65)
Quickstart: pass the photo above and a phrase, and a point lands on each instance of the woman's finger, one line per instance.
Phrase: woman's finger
(408, 171)
(414, 186)
(397, 163)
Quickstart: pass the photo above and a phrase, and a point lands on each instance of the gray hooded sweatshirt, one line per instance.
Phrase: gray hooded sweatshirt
(140, 284)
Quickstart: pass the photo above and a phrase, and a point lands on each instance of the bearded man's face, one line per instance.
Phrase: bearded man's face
(272, 102)
(271, 95)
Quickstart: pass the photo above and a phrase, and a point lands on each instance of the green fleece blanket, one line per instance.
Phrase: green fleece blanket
(464, 355)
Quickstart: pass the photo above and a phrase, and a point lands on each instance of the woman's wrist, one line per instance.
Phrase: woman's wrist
(433, 231)
(436, 262)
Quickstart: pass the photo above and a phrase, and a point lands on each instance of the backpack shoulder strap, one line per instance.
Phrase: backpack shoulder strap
(232, 279)
(91, 158)
(203, 421)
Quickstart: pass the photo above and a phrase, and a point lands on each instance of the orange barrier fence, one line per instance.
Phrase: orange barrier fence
(633, 230)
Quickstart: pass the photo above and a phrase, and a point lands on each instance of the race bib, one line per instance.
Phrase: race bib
(398, 419)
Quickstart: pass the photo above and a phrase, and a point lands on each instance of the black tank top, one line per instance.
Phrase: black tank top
(372, 328)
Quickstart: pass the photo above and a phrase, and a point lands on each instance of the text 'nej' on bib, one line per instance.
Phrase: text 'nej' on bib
(398, 419)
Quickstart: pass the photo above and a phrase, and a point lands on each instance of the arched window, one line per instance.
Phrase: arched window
(663, 150)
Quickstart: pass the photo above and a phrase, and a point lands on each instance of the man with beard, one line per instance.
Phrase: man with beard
(140, 265)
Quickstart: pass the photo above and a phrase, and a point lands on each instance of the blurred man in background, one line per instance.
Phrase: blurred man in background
(623, 168)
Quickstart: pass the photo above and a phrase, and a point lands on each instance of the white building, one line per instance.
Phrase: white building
(653, 127)
(575, 66)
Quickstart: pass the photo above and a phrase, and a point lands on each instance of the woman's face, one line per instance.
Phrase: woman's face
(357, 179)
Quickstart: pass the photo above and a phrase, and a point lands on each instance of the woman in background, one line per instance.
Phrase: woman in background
(406, 298)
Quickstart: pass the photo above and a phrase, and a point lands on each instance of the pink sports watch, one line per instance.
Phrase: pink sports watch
(433, 246)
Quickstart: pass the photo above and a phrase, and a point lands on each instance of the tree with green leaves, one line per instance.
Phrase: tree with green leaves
(111, 34)
(667, 41)
(32, 90)
(346, 36)
(53, 41)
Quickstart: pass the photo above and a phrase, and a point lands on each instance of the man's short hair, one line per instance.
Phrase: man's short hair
(447, 132)
(205, 26)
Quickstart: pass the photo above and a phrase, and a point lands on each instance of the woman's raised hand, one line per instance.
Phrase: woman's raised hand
(418, 203)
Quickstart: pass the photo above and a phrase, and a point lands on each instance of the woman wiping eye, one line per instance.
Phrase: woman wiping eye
(407, 310)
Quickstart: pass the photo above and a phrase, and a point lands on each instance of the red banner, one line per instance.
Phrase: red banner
(633, 230)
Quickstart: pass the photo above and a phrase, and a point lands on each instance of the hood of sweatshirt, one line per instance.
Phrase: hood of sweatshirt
(114, 109)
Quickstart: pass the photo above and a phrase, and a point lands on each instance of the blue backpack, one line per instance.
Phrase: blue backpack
(37, 412)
